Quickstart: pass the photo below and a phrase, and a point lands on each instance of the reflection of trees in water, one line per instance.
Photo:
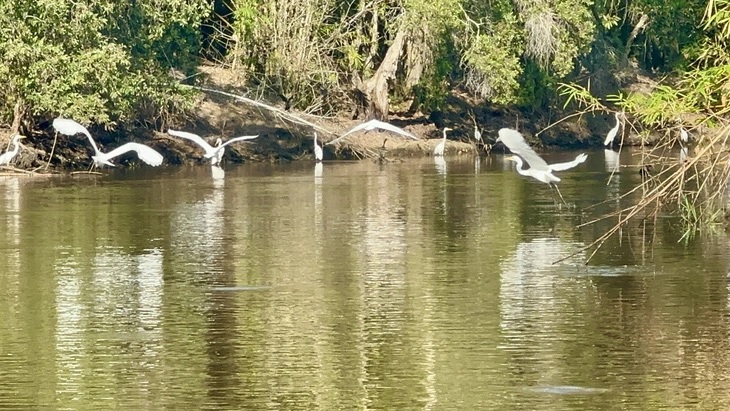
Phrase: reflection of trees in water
(202, 256)
(532, 306)
(115, 317)
(197, 231)
(382, 251)
(11, 225)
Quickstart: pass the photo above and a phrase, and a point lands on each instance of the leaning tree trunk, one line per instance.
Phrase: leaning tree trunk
(643, 22)
(18, 112)
(372, 94)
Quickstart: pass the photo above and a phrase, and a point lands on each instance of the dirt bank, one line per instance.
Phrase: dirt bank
(282, 139)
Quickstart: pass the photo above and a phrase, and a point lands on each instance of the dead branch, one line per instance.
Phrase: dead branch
(277, 111)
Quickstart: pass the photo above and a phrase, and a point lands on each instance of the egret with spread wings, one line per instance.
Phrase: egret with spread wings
(214, 153)
(70, 128)
(372, 125)
(539, 169)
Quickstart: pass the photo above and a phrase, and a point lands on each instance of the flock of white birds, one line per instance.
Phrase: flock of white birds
(512, 139)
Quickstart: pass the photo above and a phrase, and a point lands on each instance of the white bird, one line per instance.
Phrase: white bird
(612, 133)
(440, 147)
(612, 160)
(217, 172)
(539, 169)
(10, 154)
(317, 149)
(372, 125)
(215, 154)
(70, 128)
(683, 153)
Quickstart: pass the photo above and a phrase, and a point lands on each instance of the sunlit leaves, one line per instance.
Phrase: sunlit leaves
(96, 60)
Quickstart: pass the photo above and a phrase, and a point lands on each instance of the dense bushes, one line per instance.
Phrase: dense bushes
(108, 61)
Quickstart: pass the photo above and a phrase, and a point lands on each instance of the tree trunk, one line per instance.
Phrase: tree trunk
(643, 22)
(18, 112)
(372, 94)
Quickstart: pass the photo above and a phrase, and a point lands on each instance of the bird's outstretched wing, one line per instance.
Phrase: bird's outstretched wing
(517, 144)
(234, 139)
(192, 137)
(373, 124)
(71, 128)
(570, 164)
(358, 127)
(219, 149)
(395, 129)
(146, 154)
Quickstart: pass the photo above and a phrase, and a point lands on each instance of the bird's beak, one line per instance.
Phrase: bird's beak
(21, 137)
(510, 158)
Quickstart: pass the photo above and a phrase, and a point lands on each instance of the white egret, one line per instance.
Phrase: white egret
(539, 169)
(218, 173)
(215, 154)
(683, 138)
(10, 154)
(317, 149)
(70, 128)
(612, 133)
(612, 160)
(372, 125)
(683, 135)
(440, 147)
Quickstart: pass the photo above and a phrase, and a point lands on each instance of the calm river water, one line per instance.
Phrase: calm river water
(412, 285)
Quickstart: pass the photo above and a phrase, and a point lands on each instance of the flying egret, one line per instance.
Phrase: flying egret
(439, 150)
(612, 133)
(372, 125)
(214, 153)
(317, 149)
(539, 169)
(10, 154)
(70, 128)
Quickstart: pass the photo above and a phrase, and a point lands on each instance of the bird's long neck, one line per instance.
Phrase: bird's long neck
(519, 168)
(444, 135)
(16, 146)
(315, 139)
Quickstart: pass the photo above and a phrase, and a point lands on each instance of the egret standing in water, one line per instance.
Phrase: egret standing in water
(10, 154)
(317, 149)
(612, 133)
(539, 169)
(215, 154)
(70, 128)
(440, 147)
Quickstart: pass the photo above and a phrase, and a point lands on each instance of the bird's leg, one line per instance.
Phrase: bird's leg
(561, 196)
(552, 195)
(382, 158)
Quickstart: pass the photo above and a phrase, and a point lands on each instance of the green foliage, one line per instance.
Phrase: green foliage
(580, 96)
(491, 59)
(104, 61)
